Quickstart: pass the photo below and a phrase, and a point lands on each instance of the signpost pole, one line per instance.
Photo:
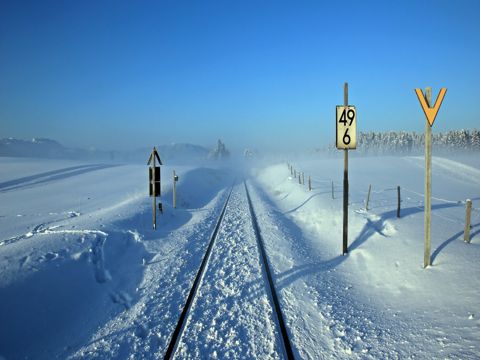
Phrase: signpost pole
(428, 182)
(154, 203)
(430, 111)
(345, 183)
(154, 189)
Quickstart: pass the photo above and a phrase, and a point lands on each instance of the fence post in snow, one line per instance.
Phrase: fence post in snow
(175, 178)
(466, 233)
(309, 183)
(399, 201)
(299, 178)
(303, 178)
(368, 197)
(295, 174)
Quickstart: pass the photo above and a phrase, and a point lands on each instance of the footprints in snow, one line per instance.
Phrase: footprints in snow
(90, 246)
(98, 259)
(38, 229)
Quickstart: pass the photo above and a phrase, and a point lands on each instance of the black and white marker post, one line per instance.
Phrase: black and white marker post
(345, 183)
(346, 138)
(154, 182)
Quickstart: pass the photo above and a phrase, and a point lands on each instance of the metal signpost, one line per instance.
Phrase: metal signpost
(346, 138)
(154, 182)
(430, 114)
(175, 179)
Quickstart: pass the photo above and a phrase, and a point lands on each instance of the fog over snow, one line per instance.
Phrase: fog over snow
(84, 275)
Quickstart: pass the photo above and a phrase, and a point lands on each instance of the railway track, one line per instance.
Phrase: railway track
(270, 289)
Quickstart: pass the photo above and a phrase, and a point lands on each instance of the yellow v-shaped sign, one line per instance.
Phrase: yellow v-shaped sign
(431, 113)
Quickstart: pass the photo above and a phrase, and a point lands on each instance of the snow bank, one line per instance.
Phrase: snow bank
(75, 243)
(384, 265)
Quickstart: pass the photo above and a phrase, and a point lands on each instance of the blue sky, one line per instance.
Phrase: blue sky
(265, 74)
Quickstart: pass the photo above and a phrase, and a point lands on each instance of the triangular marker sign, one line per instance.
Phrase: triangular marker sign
(431, 113)
(154, 153)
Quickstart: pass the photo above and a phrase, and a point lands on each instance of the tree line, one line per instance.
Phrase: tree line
(402, 142)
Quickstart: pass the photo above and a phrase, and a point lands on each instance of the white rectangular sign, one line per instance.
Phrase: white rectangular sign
(346, 127)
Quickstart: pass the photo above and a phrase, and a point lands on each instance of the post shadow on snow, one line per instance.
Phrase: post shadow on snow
(475, 233)
(372, 227)
(377, 226)
(40, 175)
(454, 237)
(50, 176)
(294, 233)
(306, 201)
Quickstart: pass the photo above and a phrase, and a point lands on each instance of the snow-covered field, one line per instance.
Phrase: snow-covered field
(83, 275)
(378, 301)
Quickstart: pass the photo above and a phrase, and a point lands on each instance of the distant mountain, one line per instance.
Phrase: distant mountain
(37, 147)
(47, 148)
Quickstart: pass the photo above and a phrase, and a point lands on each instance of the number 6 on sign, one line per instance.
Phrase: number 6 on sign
(346, 127)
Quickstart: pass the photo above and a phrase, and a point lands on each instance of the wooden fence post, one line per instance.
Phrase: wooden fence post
(303, 178)
(295, 173)
(368, 197)
(309, 183)
(466, 233)
(299, 178)
(399, 201)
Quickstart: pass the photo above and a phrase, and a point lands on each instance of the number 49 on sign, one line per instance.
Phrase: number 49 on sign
(346, 127)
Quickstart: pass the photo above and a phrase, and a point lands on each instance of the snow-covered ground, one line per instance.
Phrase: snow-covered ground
(83, 275)
(377, 301)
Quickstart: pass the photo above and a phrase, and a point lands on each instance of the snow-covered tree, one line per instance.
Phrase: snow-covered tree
(220, 152)
(402, 142)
